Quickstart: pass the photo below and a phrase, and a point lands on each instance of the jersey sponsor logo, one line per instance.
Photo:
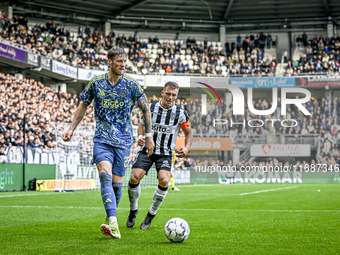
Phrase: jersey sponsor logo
(107, 103)
(160, 129)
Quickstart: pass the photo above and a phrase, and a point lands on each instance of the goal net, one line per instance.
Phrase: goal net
(75, 169)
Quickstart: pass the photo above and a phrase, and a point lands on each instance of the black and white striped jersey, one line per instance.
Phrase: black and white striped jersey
(165, 126)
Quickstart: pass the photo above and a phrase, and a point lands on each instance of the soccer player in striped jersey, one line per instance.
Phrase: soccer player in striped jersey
(167, 118)
(114, 95)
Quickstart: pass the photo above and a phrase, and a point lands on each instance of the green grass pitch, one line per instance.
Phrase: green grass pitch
(223, 219)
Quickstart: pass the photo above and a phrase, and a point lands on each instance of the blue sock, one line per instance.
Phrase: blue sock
(108, 195)
(117, 188)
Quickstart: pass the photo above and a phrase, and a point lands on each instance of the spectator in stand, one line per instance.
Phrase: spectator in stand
(3, 157)
(269, 41)
(88, 31)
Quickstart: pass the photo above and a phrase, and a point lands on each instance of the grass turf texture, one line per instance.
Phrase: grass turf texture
(284, 219)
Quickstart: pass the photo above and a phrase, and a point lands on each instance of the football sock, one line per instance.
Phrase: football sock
(108, 196)
(117, 188)
(172, 181)
(113, 219)
(158, 198)
(134, 193)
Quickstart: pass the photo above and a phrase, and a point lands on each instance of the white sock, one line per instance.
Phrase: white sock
(134, 194)
(113, 219)
(158, 198)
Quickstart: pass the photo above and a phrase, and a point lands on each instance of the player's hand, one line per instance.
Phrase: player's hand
(68, 135)
(141, 141)
(182, 152)
(150, 145)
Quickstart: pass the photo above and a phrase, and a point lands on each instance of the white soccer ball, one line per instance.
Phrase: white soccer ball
(176, 230)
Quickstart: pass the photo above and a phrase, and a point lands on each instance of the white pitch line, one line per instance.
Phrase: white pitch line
(35, 194)
(266, 190)
(170, 209)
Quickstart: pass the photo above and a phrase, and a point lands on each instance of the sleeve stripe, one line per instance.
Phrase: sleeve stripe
(93, 80)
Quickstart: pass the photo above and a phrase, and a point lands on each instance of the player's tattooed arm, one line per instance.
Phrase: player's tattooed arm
(144, 106)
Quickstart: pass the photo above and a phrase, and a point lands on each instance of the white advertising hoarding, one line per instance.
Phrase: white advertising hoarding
(159, 81)
(64, 69)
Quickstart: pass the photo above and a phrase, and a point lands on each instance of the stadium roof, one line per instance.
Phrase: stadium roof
(187, 15)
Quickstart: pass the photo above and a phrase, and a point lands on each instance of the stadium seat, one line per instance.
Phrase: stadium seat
(155, 46)
(224, 68)
(191, 63)
(182, 57)
(222, 58)
(149, 46)
(188, 57)
(152, 60)
(161, 71)
(144, 71)
(182, 52)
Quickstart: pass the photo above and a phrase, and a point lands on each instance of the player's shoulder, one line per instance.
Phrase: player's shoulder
(179, 106)
(130, 79)
(98, 78)
(182, 111)
(94, 80)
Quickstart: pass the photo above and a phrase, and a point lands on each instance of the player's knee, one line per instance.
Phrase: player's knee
(163, 182)
(134, 179)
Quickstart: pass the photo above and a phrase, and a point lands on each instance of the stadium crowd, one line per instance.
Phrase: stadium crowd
(44, 107)
(322, 55)
(87, 49)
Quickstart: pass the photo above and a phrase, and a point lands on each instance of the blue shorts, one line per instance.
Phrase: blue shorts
(118, 157)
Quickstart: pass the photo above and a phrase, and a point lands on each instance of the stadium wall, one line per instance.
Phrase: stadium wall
(11, 175)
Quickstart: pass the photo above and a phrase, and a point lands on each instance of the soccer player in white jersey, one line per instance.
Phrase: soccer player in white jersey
(167, 118)
(114, 95)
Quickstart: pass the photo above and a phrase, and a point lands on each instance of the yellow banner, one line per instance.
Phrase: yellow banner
(59, 184)
(207, 143)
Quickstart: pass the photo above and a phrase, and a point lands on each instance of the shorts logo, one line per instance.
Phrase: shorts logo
(123, 93)
(165, 164)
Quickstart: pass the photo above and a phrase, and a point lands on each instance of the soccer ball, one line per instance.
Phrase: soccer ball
(176, 230)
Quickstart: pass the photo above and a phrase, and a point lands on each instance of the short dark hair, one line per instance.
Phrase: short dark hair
(115, 51)
(171, 84)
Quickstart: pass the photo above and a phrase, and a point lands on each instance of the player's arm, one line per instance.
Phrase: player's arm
(78, 116)
(144, 106)
(183, 151)
(141, 133)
